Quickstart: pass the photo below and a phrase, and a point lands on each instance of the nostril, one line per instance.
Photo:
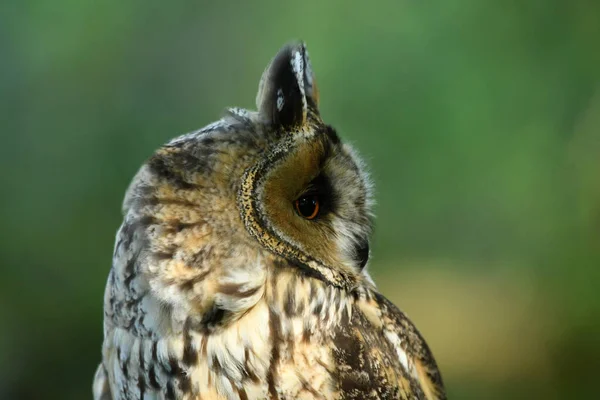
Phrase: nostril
(362, 253)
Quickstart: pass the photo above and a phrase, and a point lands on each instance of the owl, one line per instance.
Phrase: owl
(239, 271)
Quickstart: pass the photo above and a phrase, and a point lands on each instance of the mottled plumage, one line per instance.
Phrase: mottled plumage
(224, 287)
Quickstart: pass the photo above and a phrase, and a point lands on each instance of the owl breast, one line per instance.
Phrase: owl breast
(302, 340)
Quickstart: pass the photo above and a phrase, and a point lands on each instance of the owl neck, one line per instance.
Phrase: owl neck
(298, 303)
(295, 295)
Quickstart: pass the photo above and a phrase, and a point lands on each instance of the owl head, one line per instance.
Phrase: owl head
(214, 213)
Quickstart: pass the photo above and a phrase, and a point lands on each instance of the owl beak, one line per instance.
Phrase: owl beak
(362, 253)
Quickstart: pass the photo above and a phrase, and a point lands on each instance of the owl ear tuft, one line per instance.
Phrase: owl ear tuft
(287, 89)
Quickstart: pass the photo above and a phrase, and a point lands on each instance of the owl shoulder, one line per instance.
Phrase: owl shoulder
(380, 354)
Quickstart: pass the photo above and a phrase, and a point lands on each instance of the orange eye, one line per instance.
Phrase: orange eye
(308, 206)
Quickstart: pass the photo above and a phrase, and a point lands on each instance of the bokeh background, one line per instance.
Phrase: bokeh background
(479, 119)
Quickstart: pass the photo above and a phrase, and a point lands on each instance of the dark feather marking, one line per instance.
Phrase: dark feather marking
(205, 253)
(313, 291)
(190, 355)
(305, 270)
(276, 340)
(141, 380)
(179, 226)
(235, 290)
(153, 201)
(141, 384)
(217, 368)
(248, 370)
(242, 393)
(155, 351)
(128, 232)
(177, 377)
(317, 307)
(174, 368)
(152, 377)
(133, 228)
(164, 255)
(212, 319)
(129, 270)
(185, 383)
(306, 386)
(189, 284)
(170, 394)
(123, 363)
(169, 167)
(332, 134)
(289, 306)
(300, 307)
(306, 333)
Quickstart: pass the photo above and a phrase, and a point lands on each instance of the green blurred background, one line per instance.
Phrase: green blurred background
(480, 121)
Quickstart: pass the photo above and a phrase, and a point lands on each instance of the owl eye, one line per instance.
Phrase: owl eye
(308, 206)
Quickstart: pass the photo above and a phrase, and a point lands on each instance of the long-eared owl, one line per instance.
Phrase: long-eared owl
(239, 271)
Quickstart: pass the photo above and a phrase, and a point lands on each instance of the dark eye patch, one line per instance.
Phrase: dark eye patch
(321, 188)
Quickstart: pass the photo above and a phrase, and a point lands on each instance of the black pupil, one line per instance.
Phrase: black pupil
(307, 205)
